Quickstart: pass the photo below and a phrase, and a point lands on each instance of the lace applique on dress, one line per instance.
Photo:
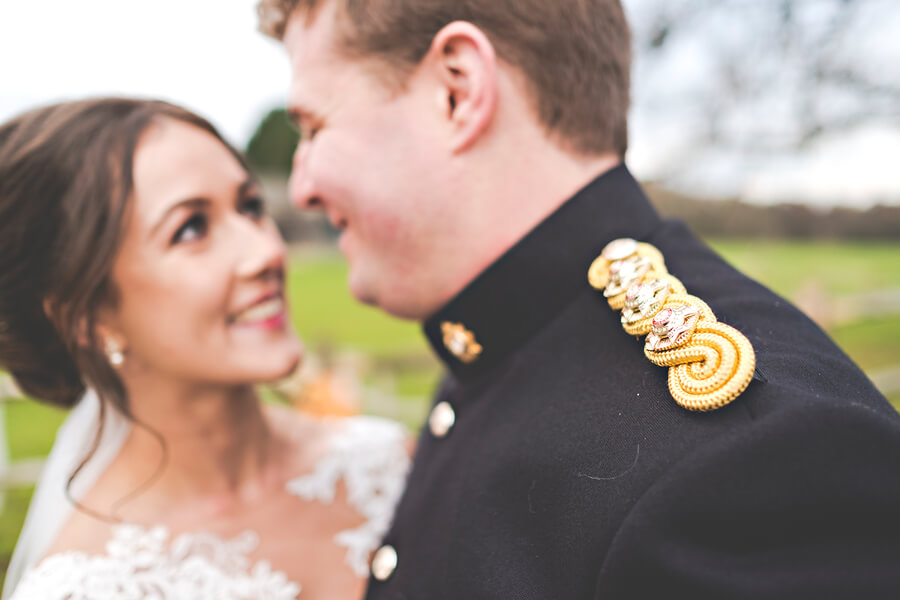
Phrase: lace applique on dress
(370, 454)
(141, 564)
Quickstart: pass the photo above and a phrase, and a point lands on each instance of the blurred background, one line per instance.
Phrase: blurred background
(771, 126)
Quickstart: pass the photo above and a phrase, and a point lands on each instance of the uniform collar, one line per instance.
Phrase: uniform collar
(533, 281)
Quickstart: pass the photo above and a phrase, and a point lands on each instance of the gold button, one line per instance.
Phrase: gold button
(442, 419)
(461, 342)
(384, 563)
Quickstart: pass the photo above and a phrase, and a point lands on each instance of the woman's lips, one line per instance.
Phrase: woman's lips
(269, 313)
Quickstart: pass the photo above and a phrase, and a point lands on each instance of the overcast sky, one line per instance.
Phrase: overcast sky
(207, 55)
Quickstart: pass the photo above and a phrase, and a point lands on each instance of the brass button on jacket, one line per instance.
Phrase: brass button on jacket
(442, 419)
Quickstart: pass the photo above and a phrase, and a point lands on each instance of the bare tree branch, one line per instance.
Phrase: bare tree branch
(779, 74)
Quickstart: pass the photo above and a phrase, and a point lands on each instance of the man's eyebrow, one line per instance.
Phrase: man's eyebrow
(250, 183)
(299, 115)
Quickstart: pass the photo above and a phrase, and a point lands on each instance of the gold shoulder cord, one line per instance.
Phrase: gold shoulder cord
(710, 363)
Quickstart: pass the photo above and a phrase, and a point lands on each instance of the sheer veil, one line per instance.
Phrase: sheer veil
(50, 508)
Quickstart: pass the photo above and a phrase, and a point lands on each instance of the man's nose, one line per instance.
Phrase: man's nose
(300, 186)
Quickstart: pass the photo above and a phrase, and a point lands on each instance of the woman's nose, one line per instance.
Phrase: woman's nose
(262, 250)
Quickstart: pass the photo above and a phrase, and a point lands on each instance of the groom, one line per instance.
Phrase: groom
(470, 152)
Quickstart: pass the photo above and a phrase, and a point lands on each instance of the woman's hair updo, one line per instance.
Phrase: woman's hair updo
(66, 176)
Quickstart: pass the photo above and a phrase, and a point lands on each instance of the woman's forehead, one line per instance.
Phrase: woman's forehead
(176, 161)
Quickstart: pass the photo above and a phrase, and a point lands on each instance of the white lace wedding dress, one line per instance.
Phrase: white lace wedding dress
(368, 454)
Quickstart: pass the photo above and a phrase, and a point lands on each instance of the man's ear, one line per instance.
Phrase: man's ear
(465, 63)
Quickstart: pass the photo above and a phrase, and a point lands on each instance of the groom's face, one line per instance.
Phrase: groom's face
(370, 159)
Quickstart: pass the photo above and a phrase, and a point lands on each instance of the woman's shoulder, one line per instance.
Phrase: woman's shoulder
(344, 450)
(364, 460)
(356, 449)
(314, 439)
(350, 447)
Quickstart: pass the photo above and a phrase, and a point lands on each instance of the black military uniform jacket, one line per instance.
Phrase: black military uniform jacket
(564, 469)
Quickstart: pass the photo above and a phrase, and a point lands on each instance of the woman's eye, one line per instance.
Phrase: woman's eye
(255, 207)
(193, 229)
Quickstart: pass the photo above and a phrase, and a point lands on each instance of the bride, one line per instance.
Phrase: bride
(142, 285)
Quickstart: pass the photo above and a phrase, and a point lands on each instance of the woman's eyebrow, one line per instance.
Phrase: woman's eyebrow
(190, 203)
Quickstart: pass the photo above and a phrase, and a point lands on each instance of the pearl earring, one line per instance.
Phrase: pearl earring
(117, 359)
(114, 354)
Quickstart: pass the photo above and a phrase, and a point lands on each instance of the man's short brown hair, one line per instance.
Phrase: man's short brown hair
(575, 54)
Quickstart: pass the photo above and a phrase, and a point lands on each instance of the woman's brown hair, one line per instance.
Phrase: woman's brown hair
(66, 176)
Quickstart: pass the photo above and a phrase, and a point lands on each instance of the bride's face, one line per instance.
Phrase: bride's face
(200, 275)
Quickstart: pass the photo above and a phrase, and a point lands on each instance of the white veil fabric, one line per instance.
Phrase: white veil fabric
(50, 507)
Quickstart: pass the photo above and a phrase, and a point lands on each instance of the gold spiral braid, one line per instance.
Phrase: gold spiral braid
(598, 275)
(682, 299)
(710, 363)
(711, 370)
(643, 326)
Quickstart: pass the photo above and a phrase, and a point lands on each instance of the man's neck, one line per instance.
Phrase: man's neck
(505, 204)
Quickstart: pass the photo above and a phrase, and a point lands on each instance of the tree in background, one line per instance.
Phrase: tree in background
(270, 152)
(760, 79)
(272, 146)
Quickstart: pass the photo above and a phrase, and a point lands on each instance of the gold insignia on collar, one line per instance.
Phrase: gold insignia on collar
(710, 363)
(460, 342)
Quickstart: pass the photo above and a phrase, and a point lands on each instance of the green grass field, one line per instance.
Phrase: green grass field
(839, 267)
(402, 364)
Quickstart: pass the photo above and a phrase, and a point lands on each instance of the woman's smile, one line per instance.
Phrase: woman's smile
(269, 313)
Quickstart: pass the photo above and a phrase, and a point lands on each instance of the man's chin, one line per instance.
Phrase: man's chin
(400, 308)
(359, 290)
